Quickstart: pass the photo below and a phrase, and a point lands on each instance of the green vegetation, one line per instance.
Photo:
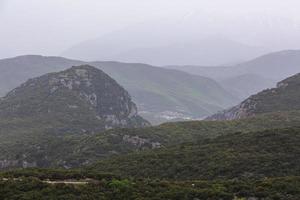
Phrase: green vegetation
(123, 189)
(55, 174)
(35, 144)
(233, 166)
(269, 153)
(251, 158)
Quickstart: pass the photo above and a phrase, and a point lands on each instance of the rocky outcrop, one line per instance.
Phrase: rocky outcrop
(82, 95)
(5, 164)
(141, 142)
(285, 97)
(238, 112)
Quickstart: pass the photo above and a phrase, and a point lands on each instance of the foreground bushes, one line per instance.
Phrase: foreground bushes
(34, 188)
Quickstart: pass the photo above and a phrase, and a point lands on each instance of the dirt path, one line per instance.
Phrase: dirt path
(68, 182)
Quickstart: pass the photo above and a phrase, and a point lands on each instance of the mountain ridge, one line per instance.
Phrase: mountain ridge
(282, 98)
(160, 94)
(266, 71)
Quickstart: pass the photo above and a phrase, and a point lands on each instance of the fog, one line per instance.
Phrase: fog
(51, 27)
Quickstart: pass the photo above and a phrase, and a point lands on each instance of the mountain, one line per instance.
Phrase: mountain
(211, 51)
(82, 96)
(250, 77)
(166, 95)
(274, 66)
(57, 120)
(160, 94)
(207, 51)
(17, 70)
(285, 97)
(250, 145)
(243, 86)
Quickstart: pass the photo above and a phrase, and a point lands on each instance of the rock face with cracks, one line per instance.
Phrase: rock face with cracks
(285, 97)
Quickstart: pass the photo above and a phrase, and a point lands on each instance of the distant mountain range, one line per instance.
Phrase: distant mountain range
(275, 66)
(245, 85)
(262, 72)
(209, 51)
(160, 94)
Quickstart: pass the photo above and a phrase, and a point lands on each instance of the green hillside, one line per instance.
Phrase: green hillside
(270, 153)
(34, 144)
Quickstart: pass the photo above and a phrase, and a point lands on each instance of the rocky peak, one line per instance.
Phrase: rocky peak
(290, 82)
(285, 97)
(77, 93)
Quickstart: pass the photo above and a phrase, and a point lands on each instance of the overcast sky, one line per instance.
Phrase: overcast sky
(49, 27)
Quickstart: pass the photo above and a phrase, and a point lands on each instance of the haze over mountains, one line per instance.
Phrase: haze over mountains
(274, 66)
(252, 76)
(150, 100)
(161, 94)
(208, 51)
(164, 94)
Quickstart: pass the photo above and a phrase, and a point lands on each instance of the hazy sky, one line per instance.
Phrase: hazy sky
(50, 26)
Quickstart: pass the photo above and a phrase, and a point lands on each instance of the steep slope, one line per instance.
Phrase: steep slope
(81, 97)
(283, 98)
(161, 94)
(271, 153)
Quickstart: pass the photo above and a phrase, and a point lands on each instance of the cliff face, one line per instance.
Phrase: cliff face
(237, 112)
(285, 97)
(82, 95)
